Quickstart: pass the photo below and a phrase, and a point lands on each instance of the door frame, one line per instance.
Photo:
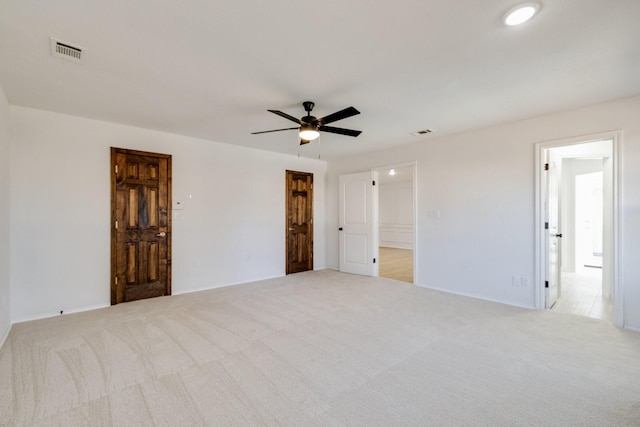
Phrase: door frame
(113, 175)
(540, 250)
(414, 189)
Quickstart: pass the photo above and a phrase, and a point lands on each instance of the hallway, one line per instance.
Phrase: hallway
(396, 264)
(581, 294)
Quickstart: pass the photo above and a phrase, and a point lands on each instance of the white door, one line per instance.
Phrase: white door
(553, 236)
(358, 223)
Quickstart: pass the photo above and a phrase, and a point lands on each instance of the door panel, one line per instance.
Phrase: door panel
(299, 221)
(141, 229)
(357, 245)
(358, 224)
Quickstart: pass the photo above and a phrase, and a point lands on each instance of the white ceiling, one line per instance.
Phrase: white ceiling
(211, 68)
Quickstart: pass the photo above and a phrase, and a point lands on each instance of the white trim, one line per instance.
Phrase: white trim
(70, 311)
(5, 336)
(226, 285)
(478, 297)
(616, 137)
(414, 183)
(618, 287)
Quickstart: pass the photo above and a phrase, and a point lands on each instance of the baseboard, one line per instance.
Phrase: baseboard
(70, 311)
(631, 328)
(407, 246)
(224, 285)
(462, 294)
(5, 336)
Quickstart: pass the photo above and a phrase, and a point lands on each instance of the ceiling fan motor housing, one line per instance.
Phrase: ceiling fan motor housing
(308, 106)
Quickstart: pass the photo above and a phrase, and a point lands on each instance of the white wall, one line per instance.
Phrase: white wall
(482, 182)
(232, 230)
(5, 322)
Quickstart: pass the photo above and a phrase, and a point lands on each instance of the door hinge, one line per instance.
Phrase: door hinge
(116, 225)
(116, 169)
(374, 260)
(546, 166)
(374, 183)
(546, 225)
(546, 283)
(116, 280)
(311, 221)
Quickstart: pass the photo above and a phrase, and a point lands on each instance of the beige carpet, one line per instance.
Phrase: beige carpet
(319, 349)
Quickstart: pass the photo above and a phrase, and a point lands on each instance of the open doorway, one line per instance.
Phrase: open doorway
(584, 290)
(396, 216)
(577, 239)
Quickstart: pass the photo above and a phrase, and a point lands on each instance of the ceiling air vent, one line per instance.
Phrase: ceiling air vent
(421, 132)
(66, 51)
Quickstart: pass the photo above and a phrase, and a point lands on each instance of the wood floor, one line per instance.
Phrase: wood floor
(581, 294)
(396, 264)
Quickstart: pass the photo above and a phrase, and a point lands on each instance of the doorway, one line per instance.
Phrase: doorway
(299, 221)
(396, 217)
(576, 229)
(140, 225)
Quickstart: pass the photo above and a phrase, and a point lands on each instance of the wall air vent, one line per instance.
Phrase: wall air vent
(66, 51)
(421, 132)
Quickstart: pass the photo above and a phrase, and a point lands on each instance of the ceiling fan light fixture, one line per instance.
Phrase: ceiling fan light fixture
(309, 132)
(521, 13)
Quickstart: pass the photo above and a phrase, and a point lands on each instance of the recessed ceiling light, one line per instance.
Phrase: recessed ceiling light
(392, 172)
(521, 13)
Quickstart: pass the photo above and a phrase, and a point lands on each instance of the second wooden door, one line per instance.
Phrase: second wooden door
(299, 221)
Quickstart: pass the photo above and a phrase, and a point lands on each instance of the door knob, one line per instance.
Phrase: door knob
(161, 234)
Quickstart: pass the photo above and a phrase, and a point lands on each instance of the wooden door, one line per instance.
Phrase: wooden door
(141, 225)
(299, 221)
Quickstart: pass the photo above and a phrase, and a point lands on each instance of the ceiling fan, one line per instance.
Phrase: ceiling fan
(310, 127)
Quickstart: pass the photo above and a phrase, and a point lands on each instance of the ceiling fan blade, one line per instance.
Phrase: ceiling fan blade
(304, 141)
(285, 115)
(275, 130)
(341, 131)
(339, 115)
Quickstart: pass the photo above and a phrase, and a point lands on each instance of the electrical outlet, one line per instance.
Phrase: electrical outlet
(524, 282)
